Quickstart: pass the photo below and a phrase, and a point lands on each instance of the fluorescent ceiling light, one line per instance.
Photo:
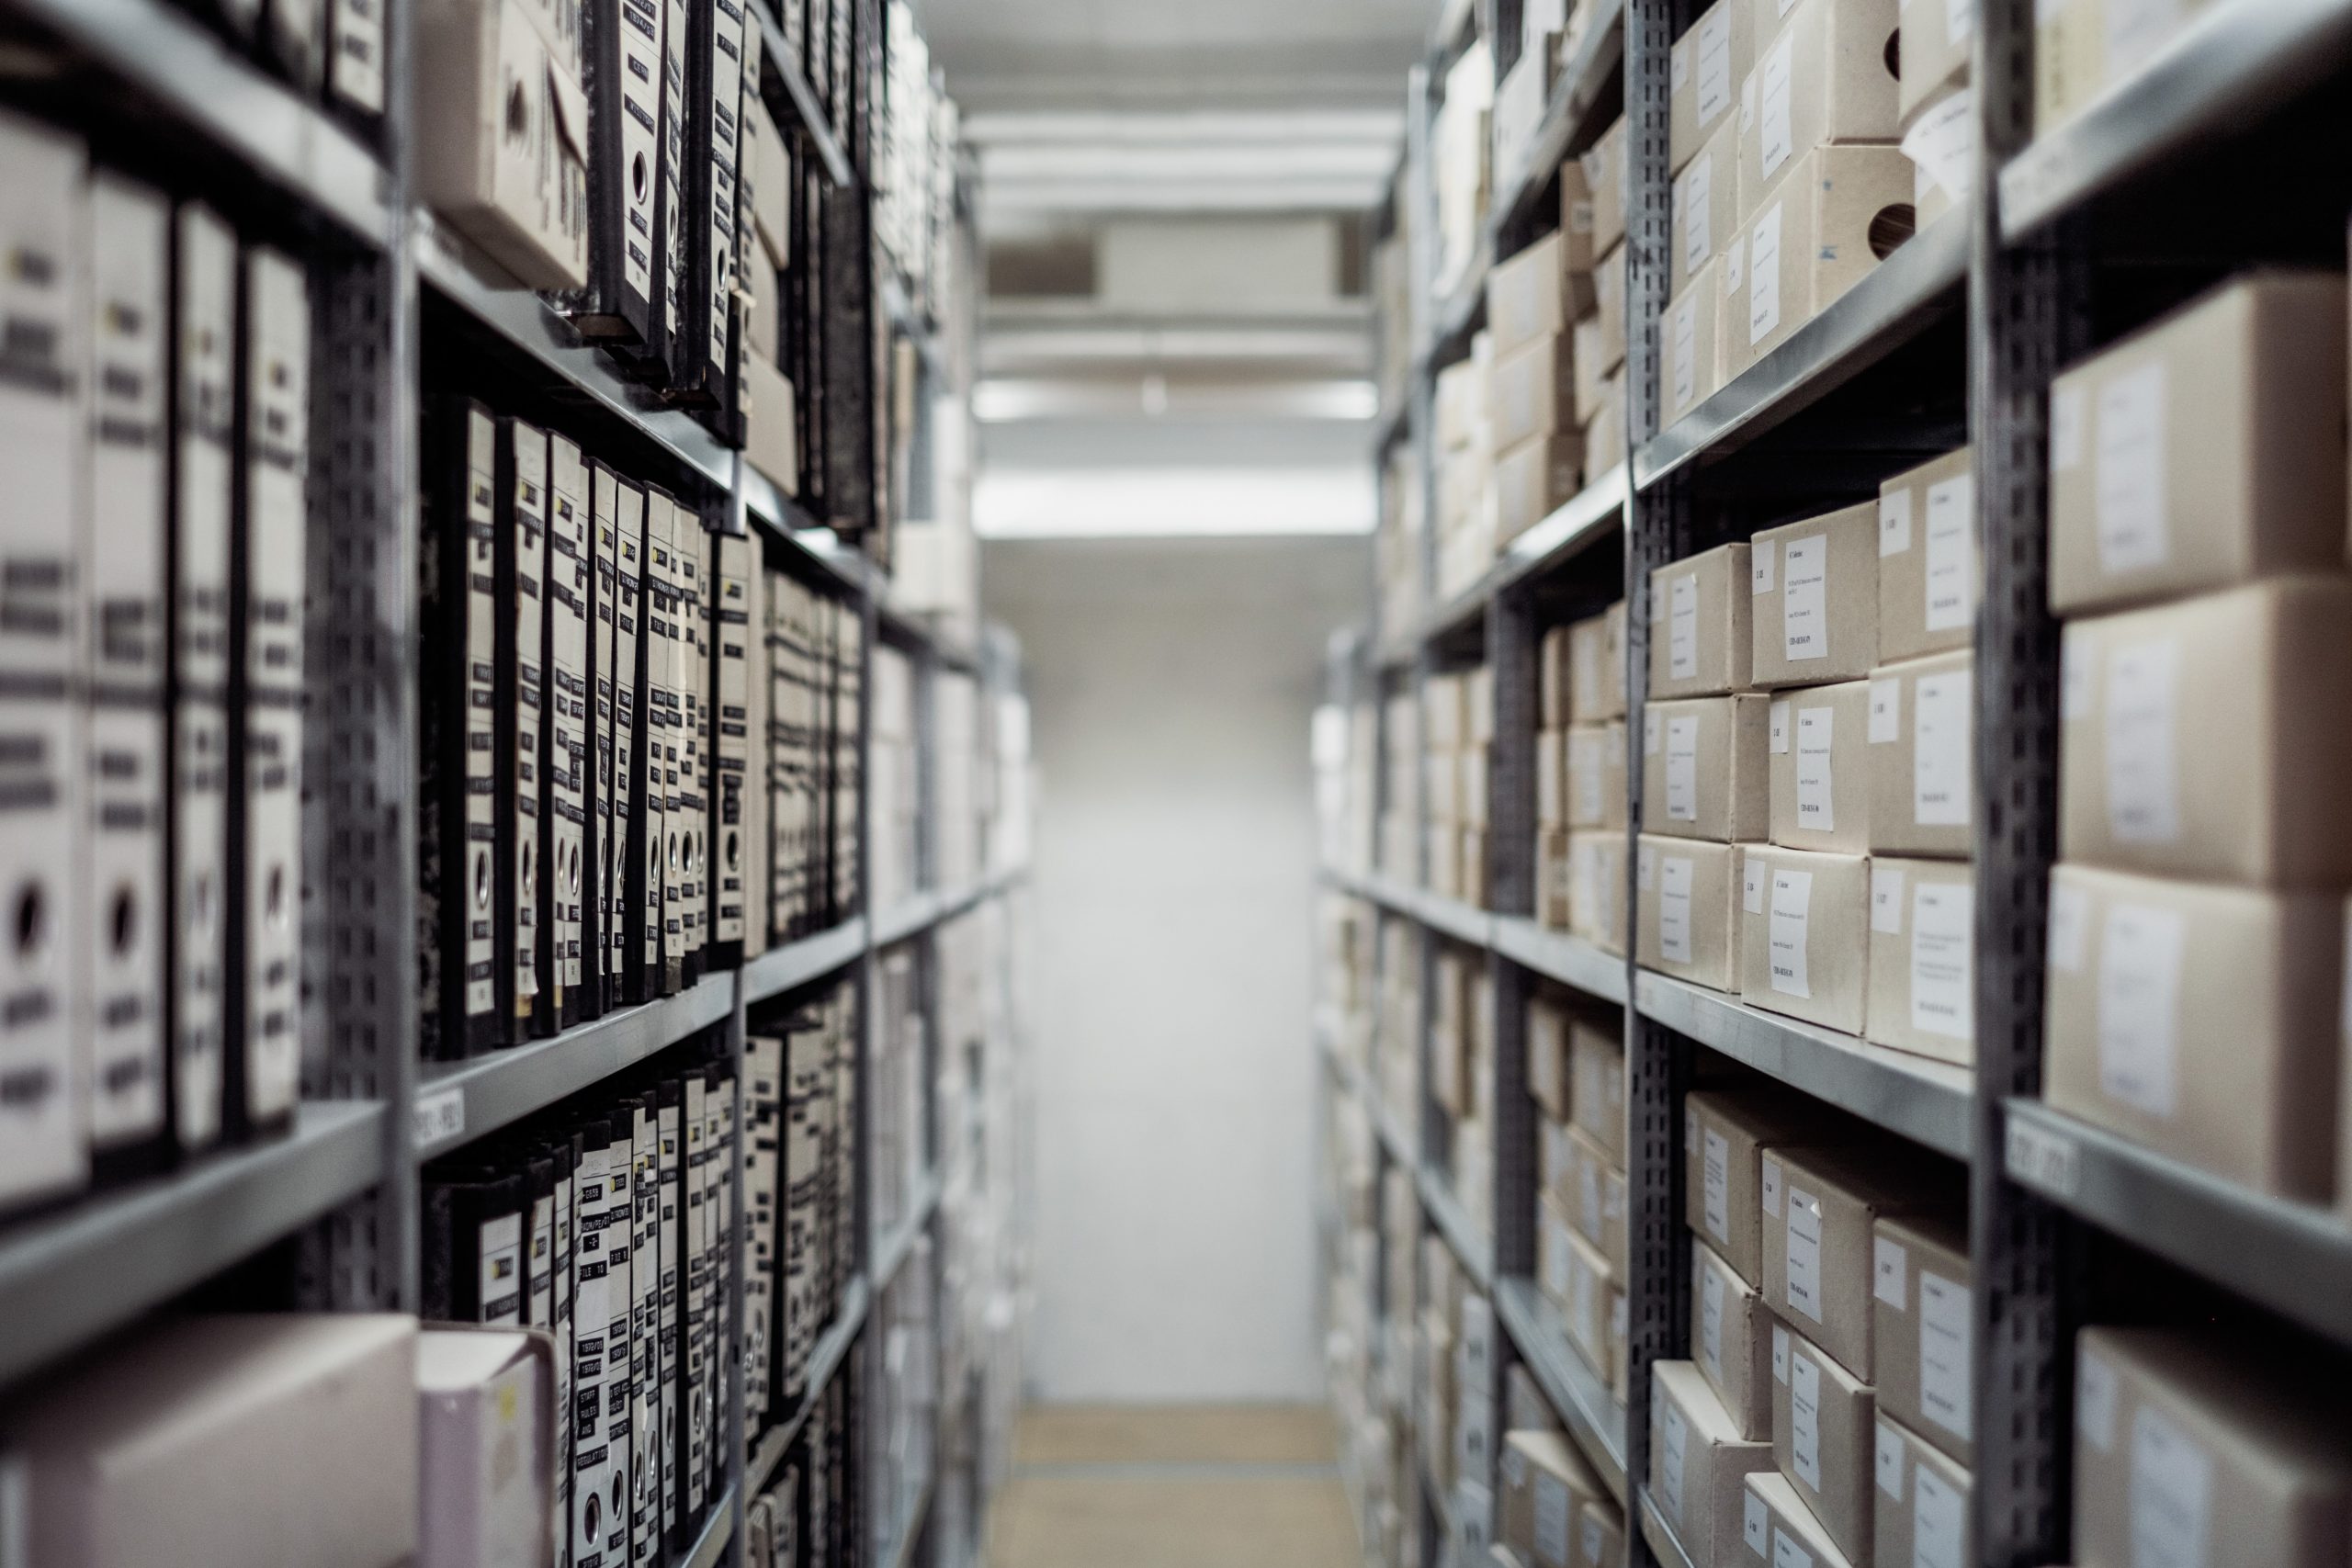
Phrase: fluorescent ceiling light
(1002, 399)
(1160, 504)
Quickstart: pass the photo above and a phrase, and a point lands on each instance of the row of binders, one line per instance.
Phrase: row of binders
(801, 1189)
(638, 742)
(801, 1518)
(154, 404)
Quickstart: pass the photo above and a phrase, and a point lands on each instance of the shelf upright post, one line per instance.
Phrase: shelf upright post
(2029, 314)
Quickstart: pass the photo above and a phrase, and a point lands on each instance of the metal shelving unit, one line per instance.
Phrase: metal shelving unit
(1578, 1392)
(1586, 519)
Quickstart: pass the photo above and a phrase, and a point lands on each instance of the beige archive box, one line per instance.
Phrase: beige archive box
(1731, 1338)
(1556, 1162)
(1705, 209)
(1597, 660)
(1551, 778)
(1824, 1437)
(1814, 585)
(1922, 757)
(502, 134)
(1930, 570)
(2208, 738)
(1923, 958)
(1596, 776)
(1555, 880)
(1779, 1528)
(1532, 390)
(771, 438)
(2069, 60)
(2204, 450)
(1600, 1534)
(1597, 1081)
(1701, 643)
(1548, 1055)
(486, 1436)
(1726, 1135)
(2199, 1021)
(1706, 768)
(1838, 212)
(1921, 1511)
(1689, 910)
(1937, 38)
(1596, 1303)
(2182, 1434)
(1533, 479)
(1597, 888)
(1922, 1307)
(1825, 77)
(1598, 1195)
(1544, 1482)
(1555, 685)
(1604, 433)
(1820, 1207)
(1699, 1457)
(1602, 166)
(1693, 345)
(1819, 766)
(1706, 66)
(1535, 294)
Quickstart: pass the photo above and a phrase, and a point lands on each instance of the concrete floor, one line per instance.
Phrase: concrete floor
(1249, 1487)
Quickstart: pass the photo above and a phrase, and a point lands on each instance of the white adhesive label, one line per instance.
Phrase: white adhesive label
(1682, 628)
(1679, 63)
(1711, 1323)
(1772, 134)
(1717, 1208)
(1761, 555)
(1686, 351)
(1945, 1334)
(2070, 927)
(1816, 808)
(1941, 143)
(1891, 1273)
(2142, 783)
(1698, 213)
(1778, 713)
(1675, 1434)
(1942, 759)
(2134, 532)
(1780, 1354)
(1786, 1552)
(1960, 20)
(2096, 1393)
(1792, 908)
(2078, 674)
(1764, 276)
(2172, 1489)
(1770, 1185)
(1887, 710)
(1554, 1505)
(1805, 1419)
(1754, 1524)
(1951, 586)
(1714, 65)
(2139, 1006)
(1895, 523)
(1805, 599)
(1751, 885)
(1939, 1522)
(1674, 909)
(1805, 1252)
(1682, 769)
(1890, 1461)
(1943, 959)
(1886, 898)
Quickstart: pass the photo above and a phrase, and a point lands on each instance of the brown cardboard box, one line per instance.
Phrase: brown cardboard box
(486, 1434)
(1838, 212)
(1528, 296)
(1547, 1055)
(1597, 660)
(1603, 168)
(1555, 1267)
(1556, 689)
(1698, 1459)
(1930, 568)
(2206, 738)
(1441, 787)
(1689, 910)
(2199, 1021)
(771, 181)
(1597, 1092)
(1478, 704)
(1600, 1534)
(1472, 764)
(1820, 764)
(1921, 1329)
(2069, 60)
(2204, 450)
(2238, 1457)
(502, 131)
(1701, 641)
(1595, 1298)
(1922, 759)
(1922, 1507)
(1826, 76)
(1706, 768)
(771, 442)
(1578, 221)
(1706, 64)
(1597, 888)
(1923, 957)
(1780, 1528)
(1706, 211)
(1599, 1208)
(1597, 775)
(1447, 876)
(1556, 1162)
(1545, 1480)
(1731, 1338)
(1825, 1435)
(1820, 1251)
(1555, 880)
(1609, 309)
(1725, 1135)
(1693, 348)
(1532, 390)
(1604, 433)
(1551, 778)
(1819, 622)
(1936, 46)
(219, 1442)
(1533, 479)
(1445, 712)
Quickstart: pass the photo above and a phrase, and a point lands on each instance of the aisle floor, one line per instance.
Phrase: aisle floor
(1251, 1486)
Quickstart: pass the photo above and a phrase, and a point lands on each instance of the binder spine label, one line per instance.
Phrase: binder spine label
(670, 1228)
(620, 1387)
(645, 1348)
(591, 1455)
(730, 727)
(625, 904)
(479, 774)
(566, 750)
(660, 848)
(498, 1263)
(524, 707)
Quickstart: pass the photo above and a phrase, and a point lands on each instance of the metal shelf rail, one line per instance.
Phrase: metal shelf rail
(827, 1358)
(1571, 121)
(1576, 1391)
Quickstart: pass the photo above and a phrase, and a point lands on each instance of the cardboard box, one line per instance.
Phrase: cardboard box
(486, 1437)
(1545, 1480)
(1604, 433)
(1599, 1211)
(1603, 167)
(1689, 910)
(1533, 295)
(2207, 738)
(1939, 138)
(1923, 957)
(1554, 1266)
(1578, 224)
(1826, 76)
(195, 1440)
(1706, 211)
(1597, 888)
(1595, 774)
(1701, 643)
(771, 181)
(1548, 1055)
(1556, 1163)
(1838, 212)
(1533, 390)
(1731, 1339)
(1706, 66)
(502, 140)
(1706, 769)
(1930, 568)
(1597, 658)
(771, 438)
(1921, 1511)
(764, 315)
(1727, 1134)
(1815, 615)
(1692, 346)
(1699, 1457)
(1551, 778)
(1600, 1534)
(1595, 1298)
(1461, 400)
(1525, 1408)
(1608, 308)
(1921, 1328)
(1555, 880)
(1824, 1438)
(1555, 688)
(1937, 43)
(1596, 1071)
(1533, 479)
(1922, 757)
(1819, 762)
(2199, 1021)
(1820, 1250)
(2069, 60)
(2238, 1455)
(1780, 1528)
(2204, 450)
